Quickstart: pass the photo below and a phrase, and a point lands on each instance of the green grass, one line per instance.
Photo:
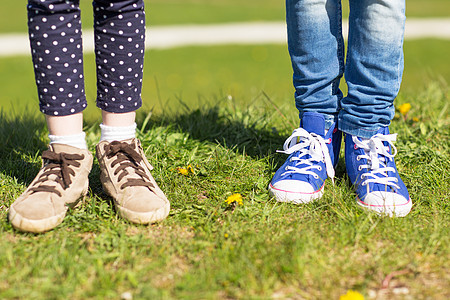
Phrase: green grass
(165, 12)
(198, 75)
(206, 249)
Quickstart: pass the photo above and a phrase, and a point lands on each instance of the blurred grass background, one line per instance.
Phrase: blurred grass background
(166, 12)
(198, 74)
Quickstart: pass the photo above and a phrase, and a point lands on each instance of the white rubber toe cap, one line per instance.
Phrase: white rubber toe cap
(385, 203)
(294, 191)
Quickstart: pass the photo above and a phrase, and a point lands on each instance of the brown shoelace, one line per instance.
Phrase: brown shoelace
(127, 157)
(57, 164)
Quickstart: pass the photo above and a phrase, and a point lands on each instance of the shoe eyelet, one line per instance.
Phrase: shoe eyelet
(364, 183)
(329, 141)
(319, 168)
(316, 176)
(358, 158)
(355, 147)
(359, 168)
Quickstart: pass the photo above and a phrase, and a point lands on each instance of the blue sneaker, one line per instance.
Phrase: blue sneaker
(312, 157)
(371, 168)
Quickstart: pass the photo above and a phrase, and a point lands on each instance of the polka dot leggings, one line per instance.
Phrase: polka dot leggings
(56, 45)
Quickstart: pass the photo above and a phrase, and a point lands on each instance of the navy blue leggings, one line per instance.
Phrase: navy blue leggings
(56, 45)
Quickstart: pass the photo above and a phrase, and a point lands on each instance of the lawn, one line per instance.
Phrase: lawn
(207, 249)
(225, 110)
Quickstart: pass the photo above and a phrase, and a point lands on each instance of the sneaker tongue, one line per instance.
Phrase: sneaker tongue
(383, 130)
(313, 122)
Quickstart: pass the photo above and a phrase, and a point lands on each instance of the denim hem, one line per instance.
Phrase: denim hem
(365, 133)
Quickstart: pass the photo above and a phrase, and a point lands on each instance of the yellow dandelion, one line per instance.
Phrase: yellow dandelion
(415, 119)
(190, 169)
(226, 235)
(352, 295)
(183, 171)
(404, 108)
(235, 198)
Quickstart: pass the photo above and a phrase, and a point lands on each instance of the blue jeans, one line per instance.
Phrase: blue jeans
(373, 67)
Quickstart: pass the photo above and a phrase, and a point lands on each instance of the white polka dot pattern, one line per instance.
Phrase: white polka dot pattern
(55, 39)
(119, 48)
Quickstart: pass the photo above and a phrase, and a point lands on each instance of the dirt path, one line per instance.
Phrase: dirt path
(164, 37)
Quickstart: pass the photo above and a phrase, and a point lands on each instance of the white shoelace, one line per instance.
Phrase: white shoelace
(377, 156)
(308, 144)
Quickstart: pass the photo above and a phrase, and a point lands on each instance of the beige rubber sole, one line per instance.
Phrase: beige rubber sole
(38, 226)
(144, 217)
(35, 226)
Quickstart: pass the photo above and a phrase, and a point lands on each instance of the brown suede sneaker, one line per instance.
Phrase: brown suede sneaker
(125, 176)
(60, 184)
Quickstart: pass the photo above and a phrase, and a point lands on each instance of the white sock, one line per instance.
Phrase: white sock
(76, 140)
(117, 133)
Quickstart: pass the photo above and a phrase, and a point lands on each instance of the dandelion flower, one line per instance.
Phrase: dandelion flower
(235, 198)
(352, 295)
(415, 119)
(183, 171)
(404, 108)
(226, 235)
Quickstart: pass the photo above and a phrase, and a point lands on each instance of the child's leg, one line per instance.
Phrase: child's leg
(118, 120)
(65, 125)
(56, 45)
(316, 48)
(119, 47)
(55, 39)
(125, 171)
(374, 65)
(373, 73)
